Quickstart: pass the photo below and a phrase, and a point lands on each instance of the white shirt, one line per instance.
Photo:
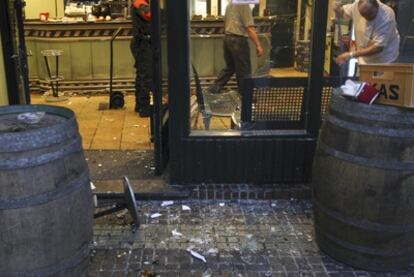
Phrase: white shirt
(381, 31)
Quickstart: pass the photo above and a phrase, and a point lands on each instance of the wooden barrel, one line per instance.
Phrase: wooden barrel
(363, 185)
(46, 210)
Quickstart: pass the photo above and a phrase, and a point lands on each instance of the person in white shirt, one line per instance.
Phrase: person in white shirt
(376, 35)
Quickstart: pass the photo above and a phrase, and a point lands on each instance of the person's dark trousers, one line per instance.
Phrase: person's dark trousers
(141, 50)
(237, 58)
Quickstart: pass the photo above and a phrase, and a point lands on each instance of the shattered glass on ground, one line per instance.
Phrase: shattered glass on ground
(236, 238)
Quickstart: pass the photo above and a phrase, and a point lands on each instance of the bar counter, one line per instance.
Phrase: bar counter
(84, 63)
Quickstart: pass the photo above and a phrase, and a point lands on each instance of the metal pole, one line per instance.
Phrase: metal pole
(208, 8)
(9, 54)
(24, 68)
(50, 75)
(56, 9)
(57, 76)
(314, 92)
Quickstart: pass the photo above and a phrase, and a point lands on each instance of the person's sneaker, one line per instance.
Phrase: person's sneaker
(145, 111)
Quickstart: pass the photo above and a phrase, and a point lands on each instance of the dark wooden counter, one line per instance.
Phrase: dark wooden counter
(38, 29)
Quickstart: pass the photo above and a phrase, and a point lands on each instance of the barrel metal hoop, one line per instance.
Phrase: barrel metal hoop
(366, 225)
(375, 113)
(63, 189)
(38, 138)
(364, 250)
(381, 164)
(73, 147)
(405, 133)
(55, 269)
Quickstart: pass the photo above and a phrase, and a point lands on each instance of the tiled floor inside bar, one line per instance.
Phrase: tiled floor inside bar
(120, 129)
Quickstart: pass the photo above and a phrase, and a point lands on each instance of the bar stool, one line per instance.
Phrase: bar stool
(53, 79)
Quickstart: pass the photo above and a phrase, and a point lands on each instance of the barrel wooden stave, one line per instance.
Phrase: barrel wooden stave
(45, 199)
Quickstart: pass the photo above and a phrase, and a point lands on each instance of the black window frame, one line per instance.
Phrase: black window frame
(203, 149)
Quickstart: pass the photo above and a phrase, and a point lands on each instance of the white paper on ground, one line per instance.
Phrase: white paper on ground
(167, 203)
(156, 215)
(197, 255)
(176, 234)
(186, 208)
(213, 251)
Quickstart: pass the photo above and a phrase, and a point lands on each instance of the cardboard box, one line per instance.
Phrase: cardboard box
(395, 82)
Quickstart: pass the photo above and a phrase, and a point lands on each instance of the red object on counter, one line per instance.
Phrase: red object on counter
(368, 94)
(44, 16)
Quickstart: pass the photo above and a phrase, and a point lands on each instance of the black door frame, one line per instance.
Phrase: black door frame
(9, 53)
(14, 52)
(160, 114)
(214, 158)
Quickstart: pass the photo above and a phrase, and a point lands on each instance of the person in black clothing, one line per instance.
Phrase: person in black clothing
(141, 50)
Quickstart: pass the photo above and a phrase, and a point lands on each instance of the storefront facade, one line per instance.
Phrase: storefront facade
(205, 146)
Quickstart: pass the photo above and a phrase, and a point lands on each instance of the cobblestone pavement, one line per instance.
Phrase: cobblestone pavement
(237, 238)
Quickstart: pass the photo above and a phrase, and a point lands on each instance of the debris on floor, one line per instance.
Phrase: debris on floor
(167, 203)
(197, 255)
(148, 274)
(186, 208)
(241, 238)
(176, 234)
(207, 273)
(156, 215)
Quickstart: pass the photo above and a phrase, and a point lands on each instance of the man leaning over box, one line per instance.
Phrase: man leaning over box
(376, 35)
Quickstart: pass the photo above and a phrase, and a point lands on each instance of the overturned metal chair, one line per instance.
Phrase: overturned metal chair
(210, 104)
